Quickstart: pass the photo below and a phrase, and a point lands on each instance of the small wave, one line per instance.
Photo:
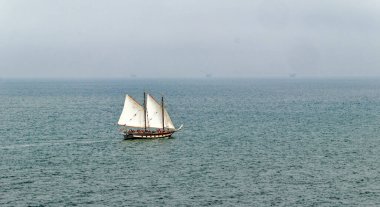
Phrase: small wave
(54, 143)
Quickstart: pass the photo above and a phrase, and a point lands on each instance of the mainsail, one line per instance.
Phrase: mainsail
(154, 114)
(132, 114)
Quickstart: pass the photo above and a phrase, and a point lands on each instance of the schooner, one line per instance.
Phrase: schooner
(148, 121)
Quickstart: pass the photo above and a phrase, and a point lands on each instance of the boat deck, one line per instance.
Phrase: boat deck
(147, 135)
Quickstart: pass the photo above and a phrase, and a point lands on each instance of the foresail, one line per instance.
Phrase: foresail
(153, 113)
(132, 114)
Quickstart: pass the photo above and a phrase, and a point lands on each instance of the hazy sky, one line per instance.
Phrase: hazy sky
(188, 38)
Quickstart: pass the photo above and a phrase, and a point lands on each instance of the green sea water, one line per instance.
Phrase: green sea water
(245, 142)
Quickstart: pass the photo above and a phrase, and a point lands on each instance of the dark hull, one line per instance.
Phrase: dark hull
(148, 135)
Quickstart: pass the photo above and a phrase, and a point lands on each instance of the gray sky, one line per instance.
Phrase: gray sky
(188, 38)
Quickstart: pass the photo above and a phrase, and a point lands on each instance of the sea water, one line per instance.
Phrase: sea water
(245, 142)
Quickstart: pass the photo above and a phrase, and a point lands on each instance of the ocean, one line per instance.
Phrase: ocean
(245, 142)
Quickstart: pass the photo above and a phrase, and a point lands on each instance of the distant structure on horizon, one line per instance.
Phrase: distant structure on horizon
(292, 75)
(208, 75)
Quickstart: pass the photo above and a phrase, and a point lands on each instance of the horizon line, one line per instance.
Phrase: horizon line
(206, 77)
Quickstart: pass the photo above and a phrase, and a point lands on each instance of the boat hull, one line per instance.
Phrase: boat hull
(148, 135)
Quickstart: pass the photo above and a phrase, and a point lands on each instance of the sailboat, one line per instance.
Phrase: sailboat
(145, 122)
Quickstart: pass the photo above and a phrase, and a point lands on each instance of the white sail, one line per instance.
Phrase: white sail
(132, 114)
(168, 121)
(154, 114)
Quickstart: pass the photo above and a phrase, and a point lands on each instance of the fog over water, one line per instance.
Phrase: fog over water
(189, 38)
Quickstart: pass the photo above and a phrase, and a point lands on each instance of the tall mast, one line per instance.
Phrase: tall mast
(145, 110)
(162, 106)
